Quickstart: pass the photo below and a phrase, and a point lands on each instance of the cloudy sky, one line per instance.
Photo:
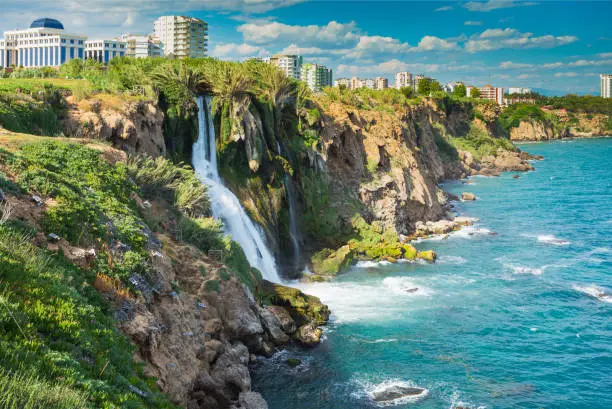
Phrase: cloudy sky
(561, 46)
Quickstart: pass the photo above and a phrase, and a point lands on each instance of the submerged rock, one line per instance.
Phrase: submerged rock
(293, 362)
(396, 392)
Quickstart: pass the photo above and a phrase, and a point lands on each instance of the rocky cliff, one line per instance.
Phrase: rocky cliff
(561, 124)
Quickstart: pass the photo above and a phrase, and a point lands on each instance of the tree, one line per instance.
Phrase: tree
(427, 86)
(72, 68)
(459, 91)
(408, 92)
(474, 92)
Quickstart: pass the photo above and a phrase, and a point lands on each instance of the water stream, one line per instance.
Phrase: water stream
(225, 205)
(293, 230)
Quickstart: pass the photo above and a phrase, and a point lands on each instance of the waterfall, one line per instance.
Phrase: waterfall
(293, 231)
(225, 205)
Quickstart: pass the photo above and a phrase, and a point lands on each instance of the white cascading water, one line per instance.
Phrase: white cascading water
(224, 204)
(293, 231)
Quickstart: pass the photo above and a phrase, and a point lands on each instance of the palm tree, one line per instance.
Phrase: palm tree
(279, 89)
(189, 80)
(231, 85)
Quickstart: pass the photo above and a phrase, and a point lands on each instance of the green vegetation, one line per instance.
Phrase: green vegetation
(54, 324)
(512, 116)
(460, 91)
(304, 308)
(365, 98)
(479, 143)
(579, 104)
(428, 86)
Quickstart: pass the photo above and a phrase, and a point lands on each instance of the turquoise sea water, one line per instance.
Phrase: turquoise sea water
(500, 321)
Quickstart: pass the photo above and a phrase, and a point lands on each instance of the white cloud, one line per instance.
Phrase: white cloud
(496, 38)
(589, 63)
(472, 23)
(495, 4)
(387, 67)
(333, 33)
(444, 8)
(525, 76)
(237, 50)
(432, 43)
(566, 74)
(371, 45)
(513, 65)
(553, 65)
(605, 55)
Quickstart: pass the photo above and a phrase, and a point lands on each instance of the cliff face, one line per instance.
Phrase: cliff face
(562, 125)
(134, 127)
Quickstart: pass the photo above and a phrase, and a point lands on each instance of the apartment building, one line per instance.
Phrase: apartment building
(368, 83)
(43, 44)
(316, 76)
(142, 46)
(519, 90)
(382, 83)
(403, 79)
(291, 64)
(342, 82)
(181, 36)
(606, 85)
(489, 92)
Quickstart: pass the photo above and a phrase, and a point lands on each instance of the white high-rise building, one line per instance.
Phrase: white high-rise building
(519, 90)
(403, 79)
(44, 44)
(182, 37)
(382, 83)
(342, 82)
(291, 64)
(369, 83)
(104, 50)
(316, 76)
(606, 85)
(142, 46)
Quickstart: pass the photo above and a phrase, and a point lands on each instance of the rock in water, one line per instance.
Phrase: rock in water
(309, 335)
(395, 392)
(468, 196)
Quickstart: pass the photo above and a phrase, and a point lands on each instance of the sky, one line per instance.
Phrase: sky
(560, 46)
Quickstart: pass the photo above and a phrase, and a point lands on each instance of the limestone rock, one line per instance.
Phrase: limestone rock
(273, 326)
(468, 196)
(309, 334)
(287, 323)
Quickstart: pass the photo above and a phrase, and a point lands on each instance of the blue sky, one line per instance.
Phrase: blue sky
(561, 46)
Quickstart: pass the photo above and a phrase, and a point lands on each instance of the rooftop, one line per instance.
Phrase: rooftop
(47, 23)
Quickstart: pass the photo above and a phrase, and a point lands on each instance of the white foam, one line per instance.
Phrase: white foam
(403, 286)
(516, 269)
(381, 341)
(595, 291)
(451, 260)
(550, 239)
(466, 232)
(372, 264)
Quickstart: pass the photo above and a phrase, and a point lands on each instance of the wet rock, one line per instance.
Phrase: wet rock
(468, 196)
(516, 176)
(427, 255)
(309, 335)
(395, 392)
(293, 362)
(251, 400)
(287, 323)
(273, 327)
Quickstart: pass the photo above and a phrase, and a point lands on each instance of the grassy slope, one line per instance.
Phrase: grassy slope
(54, 324)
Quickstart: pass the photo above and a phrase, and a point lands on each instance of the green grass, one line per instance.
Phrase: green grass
(31, 85)
(54, 324)
(479, 143)
(22, 113)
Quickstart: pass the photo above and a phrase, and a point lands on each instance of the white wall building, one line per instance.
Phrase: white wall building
(316, 76)
(403, 79)
(291, 64)
(382, 83)
(104, 50)
(342, 82)
(182, 37)
(142, 46)
(606, 85)
(519, 90)
(44, 44)
(369, 83)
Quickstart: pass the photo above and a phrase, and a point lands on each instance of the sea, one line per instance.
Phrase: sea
(515, 313)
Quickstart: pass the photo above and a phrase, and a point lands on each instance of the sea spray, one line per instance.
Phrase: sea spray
(225, 205)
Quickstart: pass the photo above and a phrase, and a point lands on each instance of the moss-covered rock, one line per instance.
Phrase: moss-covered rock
(410, 252)
(293, 362)
(428, 255)
(330, 262)
(303, 308)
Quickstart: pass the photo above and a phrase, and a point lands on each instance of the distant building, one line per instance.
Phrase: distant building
(489, 92)
(368, 83)
(316, 76)
(142, 46)
(606, 85)
(382, 83)
(355, 83)
(291, 64)
(44, 44)
(518, 90)
(450, 87)
(519, 100)
(182, 37)
(403, 79)
(415, 81)
(342, 82)
(104, 50)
